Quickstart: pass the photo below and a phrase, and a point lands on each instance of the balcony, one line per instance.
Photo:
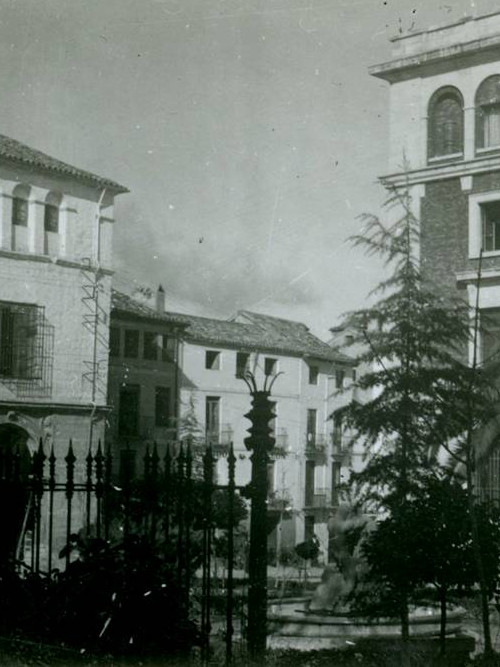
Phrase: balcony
(340, 443)
(280, 449)
(279, 501)
(220, 439)
(316, 444)
(316, 498)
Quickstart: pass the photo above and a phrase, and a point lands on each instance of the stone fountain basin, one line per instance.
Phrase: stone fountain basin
(290, 625)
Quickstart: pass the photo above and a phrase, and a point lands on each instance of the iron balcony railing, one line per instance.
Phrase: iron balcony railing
(220, 437)
(316, 498)
(316, 443)
(279, 501)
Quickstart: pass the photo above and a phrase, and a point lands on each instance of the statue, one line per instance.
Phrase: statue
(339, 580)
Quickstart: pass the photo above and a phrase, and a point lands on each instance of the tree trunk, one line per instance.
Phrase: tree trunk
(442, 628)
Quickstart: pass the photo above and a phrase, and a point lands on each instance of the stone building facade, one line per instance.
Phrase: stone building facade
(445, 126)
(56, 225)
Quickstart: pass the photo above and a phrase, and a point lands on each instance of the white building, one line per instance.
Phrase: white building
(309, 461)
(56, 225)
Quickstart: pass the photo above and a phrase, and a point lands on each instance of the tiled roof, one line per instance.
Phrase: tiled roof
(260, 333)
(125, 306)
(11, 149)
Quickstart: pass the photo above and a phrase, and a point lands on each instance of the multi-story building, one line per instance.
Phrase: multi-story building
(445, 121)
(174, 376)
(144, 375)
(310, 458)
(56, 224)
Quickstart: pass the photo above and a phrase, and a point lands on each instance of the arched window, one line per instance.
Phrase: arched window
(51, 223)
(446, 123)
(20, 215)
(51, 217)
(488, 113)
(20, 197)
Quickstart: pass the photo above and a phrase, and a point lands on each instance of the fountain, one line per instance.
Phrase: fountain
(325, 620)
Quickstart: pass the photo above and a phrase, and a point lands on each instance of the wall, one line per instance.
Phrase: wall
(294, 396)
(148, 374)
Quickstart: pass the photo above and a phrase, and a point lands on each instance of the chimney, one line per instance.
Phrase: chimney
(160, 299)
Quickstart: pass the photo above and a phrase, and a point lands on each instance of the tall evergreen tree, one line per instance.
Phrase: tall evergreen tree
(420, 395)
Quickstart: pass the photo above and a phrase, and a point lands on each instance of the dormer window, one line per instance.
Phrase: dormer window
(446, 124)
(488, 114)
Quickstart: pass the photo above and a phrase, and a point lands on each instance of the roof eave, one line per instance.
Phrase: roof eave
(88, 178)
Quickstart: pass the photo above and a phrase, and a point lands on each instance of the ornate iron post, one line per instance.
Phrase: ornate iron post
(260, 442)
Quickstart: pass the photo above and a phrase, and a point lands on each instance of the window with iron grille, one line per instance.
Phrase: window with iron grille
(21, 341)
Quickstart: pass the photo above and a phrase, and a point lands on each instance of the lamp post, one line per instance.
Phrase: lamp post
(260, 442)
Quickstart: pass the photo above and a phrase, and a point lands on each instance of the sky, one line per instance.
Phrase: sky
(249, 134)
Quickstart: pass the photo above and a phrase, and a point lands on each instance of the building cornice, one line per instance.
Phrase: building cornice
(487, 276)
(59, 407)
(438, 172)
(419, 64)
(46, 259)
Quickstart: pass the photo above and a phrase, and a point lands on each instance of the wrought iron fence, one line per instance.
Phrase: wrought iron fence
(174, 504)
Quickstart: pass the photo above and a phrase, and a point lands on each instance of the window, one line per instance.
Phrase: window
(20, 212)
(270, 366)
(150, 350)
(337, 434)
(484, 210)
(162, 406)
(490, 336)
(488, 113)
(339, 379)
(272, 422)
(51, 223)
(114, 342)
(20, 218)
(490, 218)
(309, 483)
(21, 342)
(168, 346)
(131, 344)
(313, 374)
(312, 418)
(212, 419)
(212, 360)
(128, 413)
(336, 481)
(271, 475)
(242, 364)
(51, 218)
(445, 125)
